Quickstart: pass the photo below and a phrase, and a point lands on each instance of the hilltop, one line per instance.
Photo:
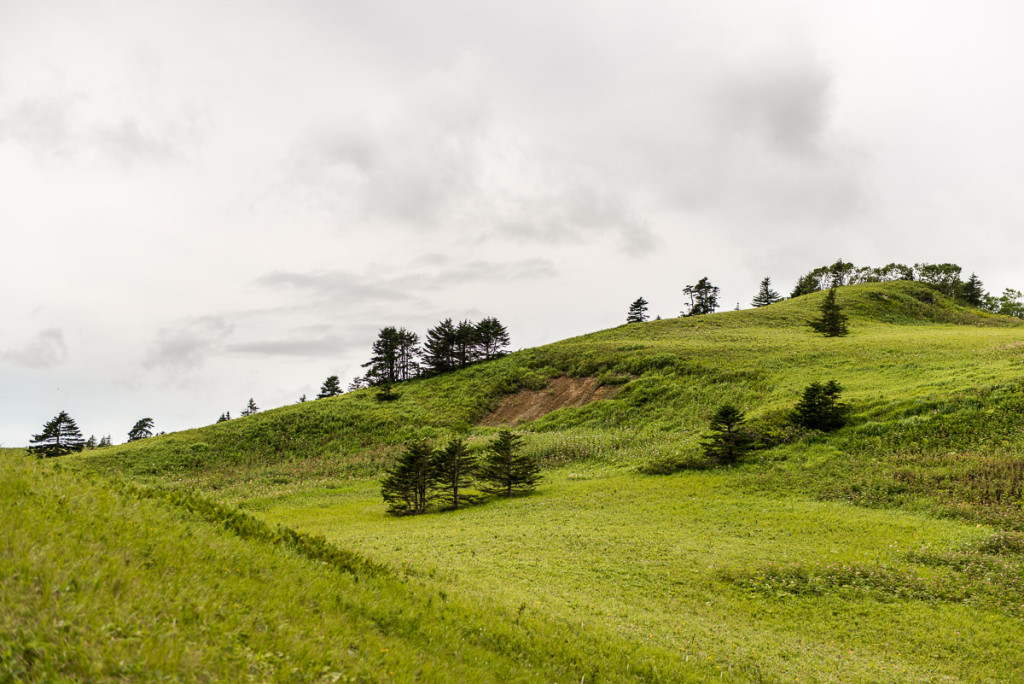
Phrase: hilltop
(889, 550)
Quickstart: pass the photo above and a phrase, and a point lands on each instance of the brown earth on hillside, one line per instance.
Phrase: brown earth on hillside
(527, 405)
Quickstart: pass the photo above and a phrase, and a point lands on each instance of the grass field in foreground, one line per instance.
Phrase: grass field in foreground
(762, 588)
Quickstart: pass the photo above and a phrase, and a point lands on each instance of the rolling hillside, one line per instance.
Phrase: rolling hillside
(890, 550)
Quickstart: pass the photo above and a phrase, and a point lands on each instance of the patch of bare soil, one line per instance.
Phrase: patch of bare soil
(527, 405)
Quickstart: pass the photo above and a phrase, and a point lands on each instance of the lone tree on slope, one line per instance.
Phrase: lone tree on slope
(637, 311)
(141, 430)
(59, 436)
(766, 295)
(703, 297)
(251, 408)
(504, 471)
(819, 408)
(330, 388)
(832, 322)
(727, 442)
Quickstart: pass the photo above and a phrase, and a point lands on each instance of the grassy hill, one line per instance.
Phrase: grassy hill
(890, 550)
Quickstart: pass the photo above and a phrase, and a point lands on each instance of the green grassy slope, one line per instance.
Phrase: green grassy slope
(890, 550)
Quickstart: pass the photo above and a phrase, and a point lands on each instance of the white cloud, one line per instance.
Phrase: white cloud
(46, 350)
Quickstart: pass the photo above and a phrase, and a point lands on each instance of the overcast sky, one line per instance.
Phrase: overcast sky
(203, 202)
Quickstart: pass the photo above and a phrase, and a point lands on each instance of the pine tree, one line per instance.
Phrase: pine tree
(703, 298)
(972, 292)
(224, 417)
(357, 383)
(105, 442)
(832, 322)
(330, 388)
(637, 311)
(727, 442)
(465, 349)
(251, 408)
(302, 399)
(766, 295)
(59, 436)
(492, 339)
(141, 430)
(439, 348)
(819, 408)
(504, 471)
(453, 468)
(394, 356)
(408, 486)
(91, 442)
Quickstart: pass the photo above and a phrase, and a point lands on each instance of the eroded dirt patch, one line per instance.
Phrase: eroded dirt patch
(527, 405)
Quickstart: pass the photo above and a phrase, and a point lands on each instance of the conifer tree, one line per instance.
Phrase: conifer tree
(394, 356)
(141, 430)
(727, 442)
(506, 472)
(465, 349)
(637, 311)
(59, 436)
(91, 442)
(251, 408)
(408, 486)
(357, 383)
(453, 468)
(224, 417)
(703, 297)
(766, 295)
(972, 292)
(819, 408)
(492, 339)
(105, 442)
(330, 388)
(439, 348)
(832, 322)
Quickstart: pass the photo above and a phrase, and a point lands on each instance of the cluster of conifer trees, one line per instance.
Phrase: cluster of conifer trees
(423, 475)
(819, 408)
(397, 354)
(61, 435)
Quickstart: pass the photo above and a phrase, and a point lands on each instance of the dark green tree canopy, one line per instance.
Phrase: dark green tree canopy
(142, 429)
(409, 486)
(637, 311)
(703, 298)
(60, 436)
(492, 339)
(251, 408)
(393, 356)
(819, 408)
(330, 388)
(766, 295)
(727, 442)
(439, 348)
(453, 468)
(506, 471)
(833, 323)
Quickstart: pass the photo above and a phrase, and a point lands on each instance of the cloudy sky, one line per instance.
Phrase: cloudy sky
(202, 202)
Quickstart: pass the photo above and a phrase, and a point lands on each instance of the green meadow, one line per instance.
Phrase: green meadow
(889, 550)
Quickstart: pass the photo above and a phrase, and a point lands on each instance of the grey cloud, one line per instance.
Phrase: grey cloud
(186, 347)
(329, 346)
(334, 285)
(43, 124)
(45, 350)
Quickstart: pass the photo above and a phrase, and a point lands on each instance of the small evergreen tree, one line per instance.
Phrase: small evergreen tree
(766, 295)
(637, 311)
(224, 417)
(819, 408)
(506, 472)
(703, 298)
(439, 348)
(302, 399)
(453, 468)
(105, 442)
(91, 442)
(727, 442)
(357, 383)
(408, 486)
(972, 292)
(251, 408)
(330, 388)
(59, 436)
(832, 322)
(492, 339)
(141, 430)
